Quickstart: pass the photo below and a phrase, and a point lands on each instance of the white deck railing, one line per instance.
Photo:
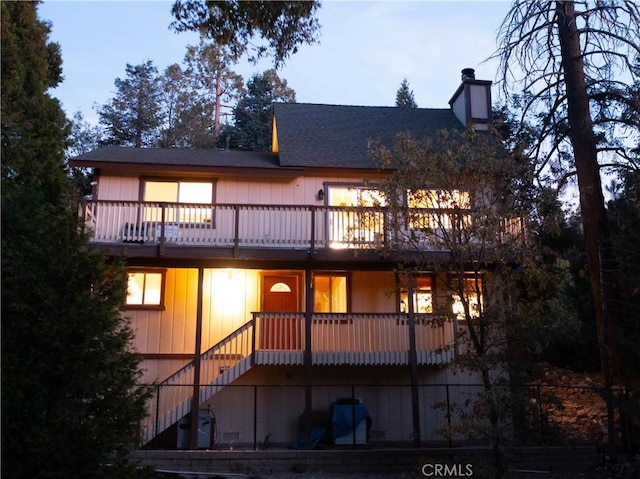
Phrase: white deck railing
(279, 339)
(270, 226)
(351, 339)
(220, 365)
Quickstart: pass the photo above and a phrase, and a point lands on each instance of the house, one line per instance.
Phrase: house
(256, 285)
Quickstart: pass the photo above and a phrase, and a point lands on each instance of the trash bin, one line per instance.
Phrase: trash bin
(206, 424)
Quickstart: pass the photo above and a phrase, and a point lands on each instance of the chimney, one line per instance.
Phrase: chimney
(471, 103)
(468, 74)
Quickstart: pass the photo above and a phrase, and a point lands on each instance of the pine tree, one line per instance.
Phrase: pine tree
(69, 399)
(253, 113)
(573, 59)
(404, 96)
(133, 117)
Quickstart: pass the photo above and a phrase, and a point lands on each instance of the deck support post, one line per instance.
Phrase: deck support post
(308, 360)
(413, 363)
(195, 399)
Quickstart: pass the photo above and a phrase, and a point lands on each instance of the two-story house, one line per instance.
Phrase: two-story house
(260, 269)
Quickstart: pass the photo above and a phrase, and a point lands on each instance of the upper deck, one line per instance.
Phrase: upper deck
(135, 228)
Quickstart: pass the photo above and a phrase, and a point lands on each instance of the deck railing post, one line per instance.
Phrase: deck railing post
(312, 249)
(163, 227)
(236, 230)
(195, 400)
(413, 363)
(253, 339)
(308, 358)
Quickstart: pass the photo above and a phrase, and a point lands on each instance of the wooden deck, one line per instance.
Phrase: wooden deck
(288, 227)
(275, 339)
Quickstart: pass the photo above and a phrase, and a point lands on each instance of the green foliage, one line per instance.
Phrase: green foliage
(491, 253)
(70, 404)
(404, 96)
(253, 114)
(33, 124)
(624, 217)
(240, 25)
(195, 95)
(70, 401)
(133, 117)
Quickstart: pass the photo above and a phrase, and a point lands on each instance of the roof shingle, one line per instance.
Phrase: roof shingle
(314, 135)
(309, 135)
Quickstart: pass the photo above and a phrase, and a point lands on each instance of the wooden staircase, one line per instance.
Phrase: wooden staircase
(220, 365)
(364, 339)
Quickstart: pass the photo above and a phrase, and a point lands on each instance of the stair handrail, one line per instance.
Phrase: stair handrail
(163, 414)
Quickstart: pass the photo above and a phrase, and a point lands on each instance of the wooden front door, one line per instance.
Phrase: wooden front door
(280, 295)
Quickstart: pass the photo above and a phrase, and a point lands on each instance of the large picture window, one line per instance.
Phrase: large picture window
(358, 222)
(330, 293)
(446, 209)
(145, 289)
(187, 198)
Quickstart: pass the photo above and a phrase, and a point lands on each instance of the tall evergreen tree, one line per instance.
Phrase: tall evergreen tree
(573, 59)
(253, 113)
(195, 95)
(133, 117)
(404, 96)
(69, 400)
(176, 101)
(209, 65)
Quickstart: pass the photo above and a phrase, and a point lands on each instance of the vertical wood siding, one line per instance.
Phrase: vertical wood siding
(298, 191)
(122, 188)
(230, 296)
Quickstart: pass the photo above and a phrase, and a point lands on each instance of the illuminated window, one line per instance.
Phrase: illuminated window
(145, 289)
(422, 297)
(330, 293)
(472, 296)
(446, 200)
(188, 193)
(354, 225)
(280, 288)
(354, 196)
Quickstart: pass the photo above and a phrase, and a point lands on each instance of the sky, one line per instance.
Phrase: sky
(366, 49)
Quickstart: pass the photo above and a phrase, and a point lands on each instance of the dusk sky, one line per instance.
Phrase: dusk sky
(365, 49)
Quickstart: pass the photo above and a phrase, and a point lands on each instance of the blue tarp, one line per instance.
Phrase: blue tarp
(317, 433)
(341, 417)
(344, 417)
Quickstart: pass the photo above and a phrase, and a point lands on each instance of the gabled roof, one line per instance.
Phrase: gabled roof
(336, 136)
(309, 136)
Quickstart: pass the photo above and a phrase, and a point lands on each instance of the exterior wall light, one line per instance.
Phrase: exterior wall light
(320, 194)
